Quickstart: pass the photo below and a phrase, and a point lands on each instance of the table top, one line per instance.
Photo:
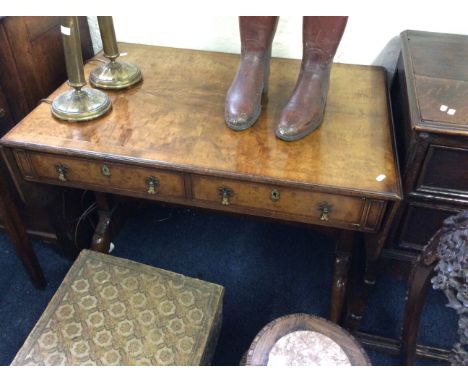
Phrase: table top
(175, 119)
(436, 70)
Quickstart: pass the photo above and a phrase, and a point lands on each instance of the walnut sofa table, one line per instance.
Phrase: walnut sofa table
(165, 140)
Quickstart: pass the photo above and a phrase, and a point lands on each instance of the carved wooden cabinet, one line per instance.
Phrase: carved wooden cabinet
(32, 65)
(430, 103)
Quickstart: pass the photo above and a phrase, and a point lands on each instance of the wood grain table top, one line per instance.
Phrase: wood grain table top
(175, 119)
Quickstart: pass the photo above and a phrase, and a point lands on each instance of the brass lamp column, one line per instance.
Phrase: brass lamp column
(78, 104)
(114, 74)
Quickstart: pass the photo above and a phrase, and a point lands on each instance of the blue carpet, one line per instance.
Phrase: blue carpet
(268, 269)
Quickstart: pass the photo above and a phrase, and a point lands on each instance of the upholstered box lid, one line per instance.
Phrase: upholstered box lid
(113, 311)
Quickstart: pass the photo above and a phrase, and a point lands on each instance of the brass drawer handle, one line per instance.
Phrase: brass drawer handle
(225, 194)
(274, 195)
(105, 170)
(152, 183)
(62, 172)
(325, 209)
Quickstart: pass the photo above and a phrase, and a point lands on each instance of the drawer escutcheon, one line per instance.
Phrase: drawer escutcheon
(274, 195)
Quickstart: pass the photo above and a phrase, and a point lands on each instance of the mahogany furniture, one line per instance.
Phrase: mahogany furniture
(447, 254)
(33, 63)
(305, 340)
(32, 66)
(431, 124)
(165, 140)
(114, 311)
(429, 98)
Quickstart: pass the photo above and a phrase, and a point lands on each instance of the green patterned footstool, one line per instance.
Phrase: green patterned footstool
(112, 311)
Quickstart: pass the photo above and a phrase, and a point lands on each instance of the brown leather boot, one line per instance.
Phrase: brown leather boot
(243, 100)
(304, 110)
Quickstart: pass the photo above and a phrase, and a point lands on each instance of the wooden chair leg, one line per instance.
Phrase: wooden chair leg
(418, 284)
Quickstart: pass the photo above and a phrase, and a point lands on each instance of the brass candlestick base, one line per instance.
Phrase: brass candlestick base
(115, 75)
(81, 105)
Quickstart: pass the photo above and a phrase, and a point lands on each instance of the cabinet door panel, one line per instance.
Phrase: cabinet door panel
(420, 222)
(445, 169)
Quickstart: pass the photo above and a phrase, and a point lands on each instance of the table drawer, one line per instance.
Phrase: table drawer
(111, 176)
(313, 207)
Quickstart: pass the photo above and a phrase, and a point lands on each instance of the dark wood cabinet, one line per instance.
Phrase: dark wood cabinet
(429, 99)
(32, 60)
(429, 96)
(32, 66)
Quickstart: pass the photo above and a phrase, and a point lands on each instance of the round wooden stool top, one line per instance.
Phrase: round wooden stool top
(305, 340)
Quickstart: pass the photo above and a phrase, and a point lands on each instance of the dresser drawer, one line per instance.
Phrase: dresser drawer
(303, 205)
(444, 170)
(75, 172)
(420, 222)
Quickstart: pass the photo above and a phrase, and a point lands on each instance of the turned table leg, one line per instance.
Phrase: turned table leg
(360, 296)
(374, 244)
(343, 253)
(102, 235)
